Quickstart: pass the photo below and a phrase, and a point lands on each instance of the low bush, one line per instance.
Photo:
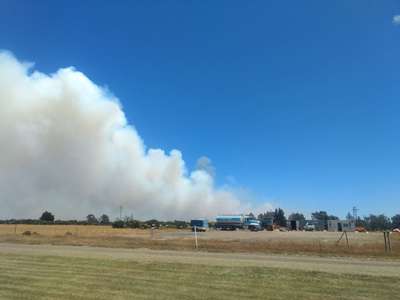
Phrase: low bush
(118, 224)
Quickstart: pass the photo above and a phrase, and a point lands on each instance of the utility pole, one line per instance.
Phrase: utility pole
(355, 210)
(120, 212)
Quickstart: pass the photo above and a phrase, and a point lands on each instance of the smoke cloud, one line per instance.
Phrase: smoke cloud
(205, 164)
(66, 147)
(396, 20)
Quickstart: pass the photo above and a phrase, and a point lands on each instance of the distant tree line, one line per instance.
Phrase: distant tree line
(153, 223)
(267, 219)
(379, 222)
(371, 222)
(47, 218)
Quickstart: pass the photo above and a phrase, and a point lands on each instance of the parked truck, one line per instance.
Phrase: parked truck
(233, 222)
(199, 224)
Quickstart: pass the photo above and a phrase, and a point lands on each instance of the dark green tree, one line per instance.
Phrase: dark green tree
(153, 223)
(320, 215)
(104, 220)
(279, 217)
(131, 223)
(323, 217)
(396, 221)
(377, 222)
(361, 222)
(180, 224)
(332, 217)
(298, 217)
(91, 219)
(118, 224)
(47, 217)
(266, 219)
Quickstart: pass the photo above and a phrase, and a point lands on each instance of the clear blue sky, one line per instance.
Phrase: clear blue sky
(299, 101)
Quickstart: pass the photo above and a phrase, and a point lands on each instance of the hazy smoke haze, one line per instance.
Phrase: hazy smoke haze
(66, 147)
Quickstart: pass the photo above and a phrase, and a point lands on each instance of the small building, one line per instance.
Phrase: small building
(293, 225)
(341, 225)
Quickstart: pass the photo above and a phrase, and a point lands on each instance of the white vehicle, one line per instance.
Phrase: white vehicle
(309, 227)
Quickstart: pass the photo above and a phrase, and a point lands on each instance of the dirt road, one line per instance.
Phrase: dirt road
(308, 263)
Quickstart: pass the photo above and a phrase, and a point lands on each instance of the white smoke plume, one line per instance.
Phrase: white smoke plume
(66, 147)
(205, 164)
(396, 20)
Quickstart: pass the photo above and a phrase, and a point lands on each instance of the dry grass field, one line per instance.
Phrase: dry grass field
(63, 277)
(119, 265)
(77, 230)
(321, 243)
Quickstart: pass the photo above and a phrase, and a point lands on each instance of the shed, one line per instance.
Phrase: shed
(341, 225)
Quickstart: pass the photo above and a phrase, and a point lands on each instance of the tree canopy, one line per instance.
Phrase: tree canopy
(104, 219)
(279, 217)
(396, 221)
(91, 219)
(298, 217)
(377, 222)
(47, 217)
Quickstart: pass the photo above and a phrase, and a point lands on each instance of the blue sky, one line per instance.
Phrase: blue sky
(298, 101)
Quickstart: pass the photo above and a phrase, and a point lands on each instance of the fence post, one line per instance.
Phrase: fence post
(347, 239)
(384, 237)
(338, 241)
(195, 236)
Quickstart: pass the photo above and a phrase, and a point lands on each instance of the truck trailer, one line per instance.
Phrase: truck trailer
(199, 224)
(233, 222)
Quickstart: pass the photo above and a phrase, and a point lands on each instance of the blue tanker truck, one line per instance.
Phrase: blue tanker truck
(233, 222)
